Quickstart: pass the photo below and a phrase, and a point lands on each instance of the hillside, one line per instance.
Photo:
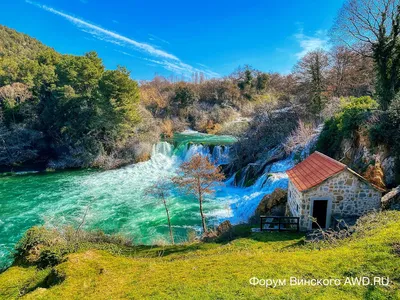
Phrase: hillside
(222, 270)
(13, 43)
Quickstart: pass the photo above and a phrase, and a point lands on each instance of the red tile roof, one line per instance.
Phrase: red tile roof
(314, 170)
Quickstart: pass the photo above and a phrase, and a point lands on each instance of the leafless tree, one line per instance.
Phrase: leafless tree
(376, 24)
(199, 177)
(351, 73)
(15, 93)
(366, 21)
(160, 191)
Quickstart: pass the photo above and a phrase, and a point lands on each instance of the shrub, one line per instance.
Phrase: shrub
(386, 130)
(299, 137)
(353, 115)
(45, 247)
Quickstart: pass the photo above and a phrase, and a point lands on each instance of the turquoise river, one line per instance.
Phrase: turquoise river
(116, 200)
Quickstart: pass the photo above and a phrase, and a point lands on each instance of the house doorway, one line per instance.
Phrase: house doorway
(320, 210)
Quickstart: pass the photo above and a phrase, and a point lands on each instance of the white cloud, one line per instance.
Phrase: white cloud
(167, 60)
(308, 43)
(182, 68)
(101, 32)
(153, 37)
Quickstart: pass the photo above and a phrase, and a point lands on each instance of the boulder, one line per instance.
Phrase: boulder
(209, 236)
(224, 227)
(273, 204)
(392, 199)
(388, 167)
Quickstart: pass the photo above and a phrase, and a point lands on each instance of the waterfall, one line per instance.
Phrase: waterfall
(162, 148)
(220, 155)
(244, 200)
(119, 197)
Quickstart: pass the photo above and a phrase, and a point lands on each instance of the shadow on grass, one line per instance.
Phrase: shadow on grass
(244, 231)
(238, 232)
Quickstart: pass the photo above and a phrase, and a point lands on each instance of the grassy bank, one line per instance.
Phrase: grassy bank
(221, 270)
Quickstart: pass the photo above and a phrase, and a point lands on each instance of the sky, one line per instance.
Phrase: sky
(179, 37)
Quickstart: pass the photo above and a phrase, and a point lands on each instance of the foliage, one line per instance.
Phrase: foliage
(45, 247)
(65, 109)
(386, 129)
(184, 96)
(354, 114)
(376, 25)
(311, 72)
(223, 270)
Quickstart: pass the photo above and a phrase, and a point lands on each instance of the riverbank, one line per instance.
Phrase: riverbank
(116, 199)
(222, 270)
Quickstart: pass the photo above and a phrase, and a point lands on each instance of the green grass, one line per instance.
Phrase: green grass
(221, 270)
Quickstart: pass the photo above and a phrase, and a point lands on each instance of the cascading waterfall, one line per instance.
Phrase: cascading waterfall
(244, 201)
(119, 203)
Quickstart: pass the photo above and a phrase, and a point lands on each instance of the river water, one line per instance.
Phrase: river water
(116, 200)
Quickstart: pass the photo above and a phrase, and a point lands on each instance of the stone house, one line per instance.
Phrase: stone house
(324, 189)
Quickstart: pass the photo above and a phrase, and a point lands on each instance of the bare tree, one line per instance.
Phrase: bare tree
(15, 93)
(351, 73)
(160, 191)
(199, 177)
(375, 23)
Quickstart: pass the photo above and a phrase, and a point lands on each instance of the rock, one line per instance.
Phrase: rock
(248, 175)
(209, 236)
(392, 199)
(272, 204)
(374, 174)
(224, 227)
(388, 167)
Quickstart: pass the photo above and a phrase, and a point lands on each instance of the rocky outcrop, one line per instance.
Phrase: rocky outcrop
(273, 204)
(392, 199)
(224, 230)
(224, 227)
(375, 163)
(389, 167)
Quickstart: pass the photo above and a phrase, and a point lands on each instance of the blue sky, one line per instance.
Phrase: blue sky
(178, 37)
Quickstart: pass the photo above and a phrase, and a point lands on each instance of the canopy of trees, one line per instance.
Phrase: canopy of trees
(61, 108)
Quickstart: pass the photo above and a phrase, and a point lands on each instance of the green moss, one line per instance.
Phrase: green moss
(249, 182)
(353, 115)
(221, 270)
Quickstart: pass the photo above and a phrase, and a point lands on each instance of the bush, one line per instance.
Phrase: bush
(386, 130)
(45, 247)
(299, 137)
(354, 114)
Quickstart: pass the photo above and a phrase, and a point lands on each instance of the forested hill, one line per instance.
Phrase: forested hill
(20, 45)
(61, 110)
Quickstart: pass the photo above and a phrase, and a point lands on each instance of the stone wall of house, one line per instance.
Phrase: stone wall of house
(294, 200)
(349, 196)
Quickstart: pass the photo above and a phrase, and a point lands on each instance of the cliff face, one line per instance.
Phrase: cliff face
(377, 164)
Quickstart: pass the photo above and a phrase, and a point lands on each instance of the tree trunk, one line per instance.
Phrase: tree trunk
(203, 218)
(169, 223)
